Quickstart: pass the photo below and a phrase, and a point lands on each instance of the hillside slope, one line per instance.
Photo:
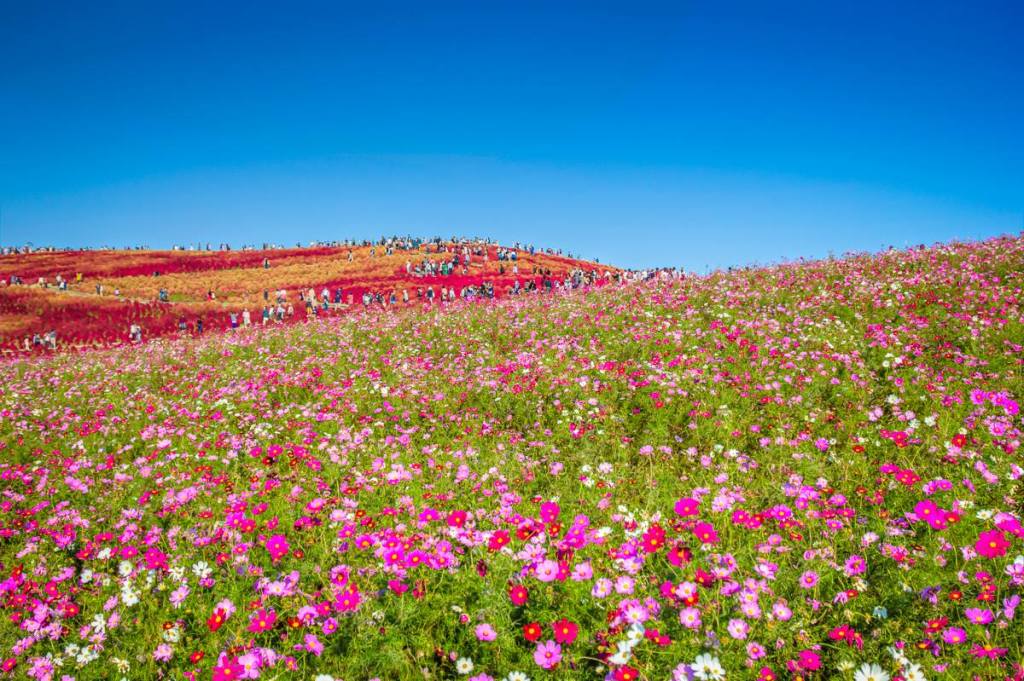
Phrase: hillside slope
(797, 471)
(109, 291)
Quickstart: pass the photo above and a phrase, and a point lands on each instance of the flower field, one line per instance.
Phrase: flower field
(117, 289)
(810, 470)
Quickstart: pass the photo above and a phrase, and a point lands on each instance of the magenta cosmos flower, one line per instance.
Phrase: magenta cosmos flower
(705, 532)
(992, 544)
(277, 547)
(687, 506)
(954, 635)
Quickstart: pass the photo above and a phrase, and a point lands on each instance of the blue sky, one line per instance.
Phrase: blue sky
(644, 134)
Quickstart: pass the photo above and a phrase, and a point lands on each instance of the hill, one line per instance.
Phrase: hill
(105, 293)
(810, 470)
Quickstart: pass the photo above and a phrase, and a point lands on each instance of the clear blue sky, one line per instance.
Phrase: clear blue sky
(680, 133)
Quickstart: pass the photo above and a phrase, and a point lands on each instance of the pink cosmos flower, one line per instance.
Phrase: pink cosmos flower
(547, 571)
(738, 628)
(311, 644)
(548, 654)
(979, 615)
(690, 618)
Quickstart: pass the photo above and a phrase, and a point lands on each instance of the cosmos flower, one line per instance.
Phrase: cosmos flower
(548, 654)
(870, 672)
(485, 632)
(991, 544)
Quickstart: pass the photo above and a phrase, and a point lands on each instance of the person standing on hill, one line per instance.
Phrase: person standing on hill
(246, 318)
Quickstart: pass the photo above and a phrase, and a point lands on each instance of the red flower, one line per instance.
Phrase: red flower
(216, 619)
(565, 631)
(653, 539)
(498, 540)
(532, 631)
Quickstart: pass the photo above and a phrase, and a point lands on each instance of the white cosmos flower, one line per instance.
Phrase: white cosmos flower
(707, 668)
(914, 672)
(623, 654)
(870, 672)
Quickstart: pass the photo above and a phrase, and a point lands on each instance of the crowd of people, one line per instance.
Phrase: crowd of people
(42, 341)
(389, 243)
(460, 256)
